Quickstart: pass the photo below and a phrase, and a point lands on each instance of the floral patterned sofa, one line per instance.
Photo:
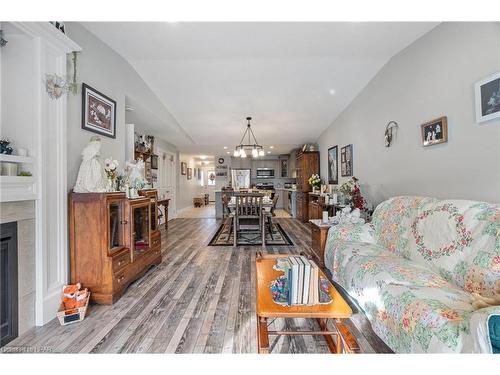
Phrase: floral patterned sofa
(412, 270)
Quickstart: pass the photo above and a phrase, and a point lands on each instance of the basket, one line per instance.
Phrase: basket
(72, 315)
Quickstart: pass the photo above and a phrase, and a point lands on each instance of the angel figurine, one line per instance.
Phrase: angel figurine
(91, 176)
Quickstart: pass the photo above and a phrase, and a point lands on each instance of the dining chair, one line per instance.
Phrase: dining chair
(269, 215)
(227, 215)
(248, 212)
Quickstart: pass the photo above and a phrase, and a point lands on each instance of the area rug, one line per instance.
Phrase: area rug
(250, 237)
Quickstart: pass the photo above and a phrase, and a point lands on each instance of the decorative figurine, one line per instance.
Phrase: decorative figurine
(91, 176)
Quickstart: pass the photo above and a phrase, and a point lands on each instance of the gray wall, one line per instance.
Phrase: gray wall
(433, 77)
(106, 71)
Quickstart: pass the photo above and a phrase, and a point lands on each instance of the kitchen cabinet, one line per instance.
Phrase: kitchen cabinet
(241, 163)
(307, 164)
(292, 164)
(281, 193)
(283, 166)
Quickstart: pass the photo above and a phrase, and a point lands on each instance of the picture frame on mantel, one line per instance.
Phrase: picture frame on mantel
(98, 112)
(346, 160)
(333, 166)
(488, 98)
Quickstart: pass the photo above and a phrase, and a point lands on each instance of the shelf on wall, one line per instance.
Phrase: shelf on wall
(16, 159)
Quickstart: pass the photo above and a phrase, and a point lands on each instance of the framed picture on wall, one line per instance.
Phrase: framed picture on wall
(154, 161)
(199, 174)
(98, 112)
(183, 168)
(346, 160)
(435, 131)
(189, 173)
(333, 169)
(488, 98)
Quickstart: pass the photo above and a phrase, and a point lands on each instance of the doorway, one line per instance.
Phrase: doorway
(166, 179)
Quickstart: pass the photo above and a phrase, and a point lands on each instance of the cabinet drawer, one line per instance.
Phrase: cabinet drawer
(120, 278)
(121, 260)
(156, 240)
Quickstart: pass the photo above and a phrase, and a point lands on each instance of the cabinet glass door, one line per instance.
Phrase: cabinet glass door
(140, 234)
(154, 220)
(115, 212)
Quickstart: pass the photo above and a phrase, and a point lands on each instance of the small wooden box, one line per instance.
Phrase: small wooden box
(74, 315)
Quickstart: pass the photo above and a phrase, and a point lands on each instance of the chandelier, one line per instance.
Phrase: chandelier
(256, 149)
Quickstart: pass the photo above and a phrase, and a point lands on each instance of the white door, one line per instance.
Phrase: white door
(166, 179)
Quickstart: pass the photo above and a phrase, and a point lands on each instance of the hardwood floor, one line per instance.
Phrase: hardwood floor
(200, 299)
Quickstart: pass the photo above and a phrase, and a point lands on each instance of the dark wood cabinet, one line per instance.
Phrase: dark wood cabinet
(112, 242)
(307, 164)
(315, 207)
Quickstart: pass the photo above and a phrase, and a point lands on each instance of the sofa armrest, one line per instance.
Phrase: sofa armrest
(352, 232)
(485, 330)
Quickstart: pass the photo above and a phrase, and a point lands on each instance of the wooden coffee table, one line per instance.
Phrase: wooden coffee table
(337, 310)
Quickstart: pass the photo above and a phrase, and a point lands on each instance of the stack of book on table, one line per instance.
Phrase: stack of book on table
(304, 284)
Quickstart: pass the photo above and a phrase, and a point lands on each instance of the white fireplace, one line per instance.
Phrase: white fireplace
(38, 203)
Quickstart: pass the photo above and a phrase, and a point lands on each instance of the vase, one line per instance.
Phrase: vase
(110, 186)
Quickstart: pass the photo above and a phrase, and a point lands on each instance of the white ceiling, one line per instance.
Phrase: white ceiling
(294, 79)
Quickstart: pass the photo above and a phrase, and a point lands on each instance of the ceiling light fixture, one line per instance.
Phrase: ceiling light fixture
(256, 149)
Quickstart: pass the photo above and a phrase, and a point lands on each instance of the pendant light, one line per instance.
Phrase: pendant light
(256, 149)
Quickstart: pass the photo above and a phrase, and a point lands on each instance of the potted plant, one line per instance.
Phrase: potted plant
(315, 182)
(352, 194)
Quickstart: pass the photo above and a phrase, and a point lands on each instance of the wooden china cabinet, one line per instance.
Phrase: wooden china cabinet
(152, 194)
(307, 165)
(111, 242)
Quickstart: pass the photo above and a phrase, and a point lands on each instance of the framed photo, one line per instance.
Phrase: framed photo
(488, 98)
(346, 161)
(189, 173)
(183, 168)
(435, 131)
(199, 174)
(333, 168)
(98, 112)
(154, 161)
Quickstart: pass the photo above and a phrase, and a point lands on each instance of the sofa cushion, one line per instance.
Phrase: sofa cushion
(392, 220)
(412, 308)
(460, 240)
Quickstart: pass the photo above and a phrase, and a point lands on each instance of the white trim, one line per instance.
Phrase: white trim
(50, 34)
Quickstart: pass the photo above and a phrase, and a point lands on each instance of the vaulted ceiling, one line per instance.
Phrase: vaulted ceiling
(294, 79)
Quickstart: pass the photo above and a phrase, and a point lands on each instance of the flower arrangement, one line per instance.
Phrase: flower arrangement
(315, 181)
(351, 190)
(111, 168)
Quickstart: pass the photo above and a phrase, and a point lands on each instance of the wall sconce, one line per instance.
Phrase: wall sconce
(3, 42)
(388, 132)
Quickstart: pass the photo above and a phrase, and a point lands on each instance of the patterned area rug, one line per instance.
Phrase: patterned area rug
(250, 237)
